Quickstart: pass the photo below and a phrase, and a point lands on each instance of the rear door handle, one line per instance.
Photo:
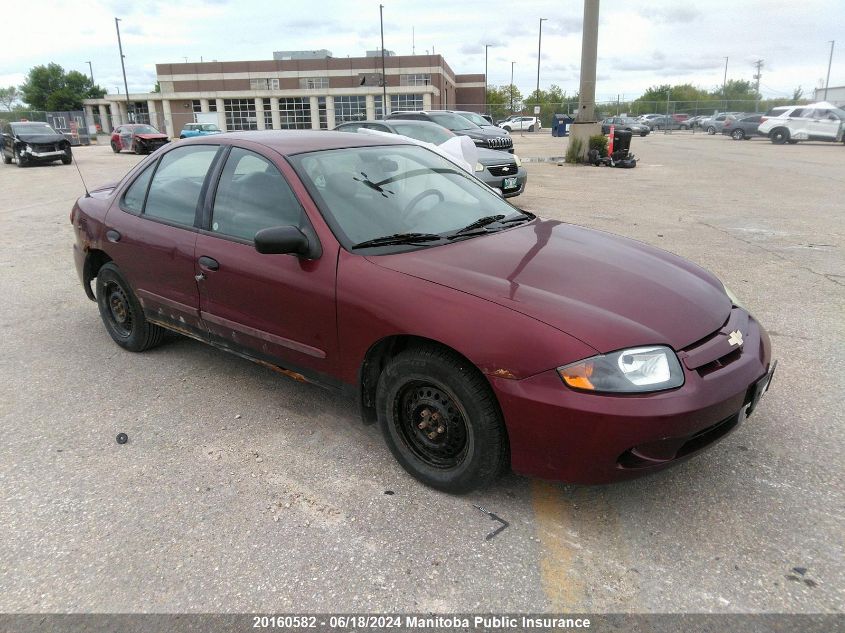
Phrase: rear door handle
(112, 235)
(209, 263)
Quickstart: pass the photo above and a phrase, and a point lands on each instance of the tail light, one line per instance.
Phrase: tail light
(763, 119)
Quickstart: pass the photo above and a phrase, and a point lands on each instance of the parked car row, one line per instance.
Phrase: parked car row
(625, 123)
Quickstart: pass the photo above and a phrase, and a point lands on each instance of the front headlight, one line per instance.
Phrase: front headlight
(733, 297)
(518, 161)
(479, 167)
(634, 370)
(479, 141)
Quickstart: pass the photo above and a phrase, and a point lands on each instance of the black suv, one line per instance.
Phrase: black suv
(29, 143)
(483, 137)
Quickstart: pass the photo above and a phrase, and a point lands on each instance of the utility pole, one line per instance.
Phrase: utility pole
(122, 65)
(539, 45)
(512, 63)
(91, 71)
(725, 84)
(830, 61)
(413, 45)
(486, 108)
(757, 76)
(384, 103)
(589, 53)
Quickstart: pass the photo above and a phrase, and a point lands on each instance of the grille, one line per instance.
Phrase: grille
(44, 147)
(503, 170)
(714, 352)
(500, 142)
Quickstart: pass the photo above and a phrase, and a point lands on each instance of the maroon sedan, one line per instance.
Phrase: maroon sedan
(475, 334)
(137, 137)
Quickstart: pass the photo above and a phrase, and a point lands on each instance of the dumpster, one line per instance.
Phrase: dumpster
(560, 122)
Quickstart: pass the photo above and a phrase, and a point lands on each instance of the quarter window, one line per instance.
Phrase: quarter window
(175, 189)
(133, 199)
(252, 195)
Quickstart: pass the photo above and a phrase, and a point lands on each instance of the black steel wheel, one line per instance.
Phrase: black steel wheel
(122, 313)
(441, 420)
(779, 136)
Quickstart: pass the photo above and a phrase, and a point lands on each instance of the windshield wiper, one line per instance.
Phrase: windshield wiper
(399, 238)
(479, 223)
(525, 217)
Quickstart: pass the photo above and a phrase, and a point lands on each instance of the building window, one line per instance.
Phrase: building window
(314, 83)
(295, 113)
(348, 109)
(139, 112)
(240, 114)
(406, 102)
(268, 114)
(419, 79)
(379, 113)
(212, 105)
(264, 84)
(196, 105)
(321, 111)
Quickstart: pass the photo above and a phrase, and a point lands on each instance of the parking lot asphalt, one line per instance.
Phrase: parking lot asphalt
(241, 491)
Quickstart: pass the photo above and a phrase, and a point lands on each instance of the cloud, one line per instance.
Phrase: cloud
(671, 15)
(659, 63)
(563, 26)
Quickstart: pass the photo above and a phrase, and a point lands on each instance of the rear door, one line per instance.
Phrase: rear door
(279, 308)
(151, 233)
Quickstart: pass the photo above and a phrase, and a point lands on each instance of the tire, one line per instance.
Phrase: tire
(182, 137)
(507, 129)
(737, 134)
(427, 382)
(67, 159)
(122, 314)
(530, 128)
(7, 159)
(711, 130)
(115, 148)
(19, 159)
(779, 135)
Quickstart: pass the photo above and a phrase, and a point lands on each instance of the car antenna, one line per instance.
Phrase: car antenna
(84, 186)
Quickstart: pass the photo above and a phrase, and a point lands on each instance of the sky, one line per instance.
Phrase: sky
(641, 43)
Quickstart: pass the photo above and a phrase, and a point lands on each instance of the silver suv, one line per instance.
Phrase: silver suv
(815, 122)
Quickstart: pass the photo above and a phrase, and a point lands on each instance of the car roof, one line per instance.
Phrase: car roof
(289, 142)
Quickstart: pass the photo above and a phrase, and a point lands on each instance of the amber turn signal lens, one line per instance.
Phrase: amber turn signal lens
(578, 376)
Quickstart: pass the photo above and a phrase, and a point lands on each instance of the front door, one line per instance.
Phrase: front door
(823, 124)
(279, 308)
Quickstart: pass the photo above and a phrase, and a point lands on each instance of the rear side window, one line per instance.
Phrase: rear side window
(797, 112)
(252, 195)
(133, 199)
(175, 189)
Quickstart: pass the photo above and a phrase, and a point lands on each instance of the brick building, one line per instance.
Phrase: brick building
(312, 90)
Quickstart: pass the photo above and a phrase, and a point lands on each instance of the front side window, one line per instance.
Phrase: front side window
(370, 192)
(176, 186)
(252, 195)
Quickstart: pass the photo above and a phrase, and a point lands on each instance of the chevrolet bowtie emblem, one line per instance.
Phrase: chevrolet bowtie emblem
(735, 338)
(505, 168)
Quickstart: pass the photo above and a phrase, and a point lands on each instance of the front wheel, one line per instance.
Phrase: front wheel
(737, 135)
(779, 136)
(19, 159)
(122, 313)
(711, 130)
(7, 159)
(507, 129)
(67, 159)
(114, 147)
(441, 420)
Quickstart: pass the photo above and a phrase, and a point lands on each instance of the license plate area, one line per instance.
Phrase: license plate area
(510, 183)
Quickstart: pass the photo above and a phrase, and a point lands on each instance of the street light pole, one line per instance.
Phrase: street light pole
(539, 45)
(122, 65)
(512, 63)
(383, 72)
(486, 108)
(91, 71)
(830, 61)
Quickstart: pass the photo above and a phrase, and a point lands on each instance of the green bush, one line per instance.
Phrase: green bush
(599, 142)
(573, 151)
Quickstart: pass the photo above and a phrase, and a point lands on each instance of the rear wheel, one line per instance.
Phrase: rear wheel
(122, 313)
(441, 420)
(711, 130)
(737, 135)
(779, 136)
(530, 128)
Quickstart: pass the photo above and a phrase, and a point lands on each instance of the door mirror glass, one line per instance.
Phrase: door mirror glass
(281, 240)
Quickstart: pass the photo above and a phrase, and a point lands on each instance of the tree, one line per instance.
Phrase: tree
(8, 97)
(798, 94)
(499, 100)
(157, 87)
(50, 88)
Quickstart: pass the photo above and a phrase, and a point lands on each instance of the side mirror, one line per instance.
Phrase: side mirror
(281, 240)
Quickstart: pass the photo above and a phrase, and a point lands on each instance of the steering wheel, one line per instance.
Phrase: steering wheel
(409, 209)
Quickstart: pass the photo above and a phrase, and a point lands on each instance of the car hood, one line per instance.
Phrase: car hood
(40, 138)
(151, 137)
(608, 291)
(493, 156)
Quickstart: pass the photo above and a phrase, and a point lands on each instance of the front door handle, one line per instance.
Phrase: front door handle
(112, 235)
(209, 263)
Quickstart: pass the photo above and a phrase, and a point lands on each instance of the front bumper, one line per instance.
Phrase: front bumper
(562, 434)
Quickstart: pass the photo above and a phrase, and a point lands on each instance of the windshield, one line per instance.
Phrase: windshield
(370, 192)
(475, 118)
(428, 133)
(32, 128)
(451, 121)
(209, 127)
(145, 129)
